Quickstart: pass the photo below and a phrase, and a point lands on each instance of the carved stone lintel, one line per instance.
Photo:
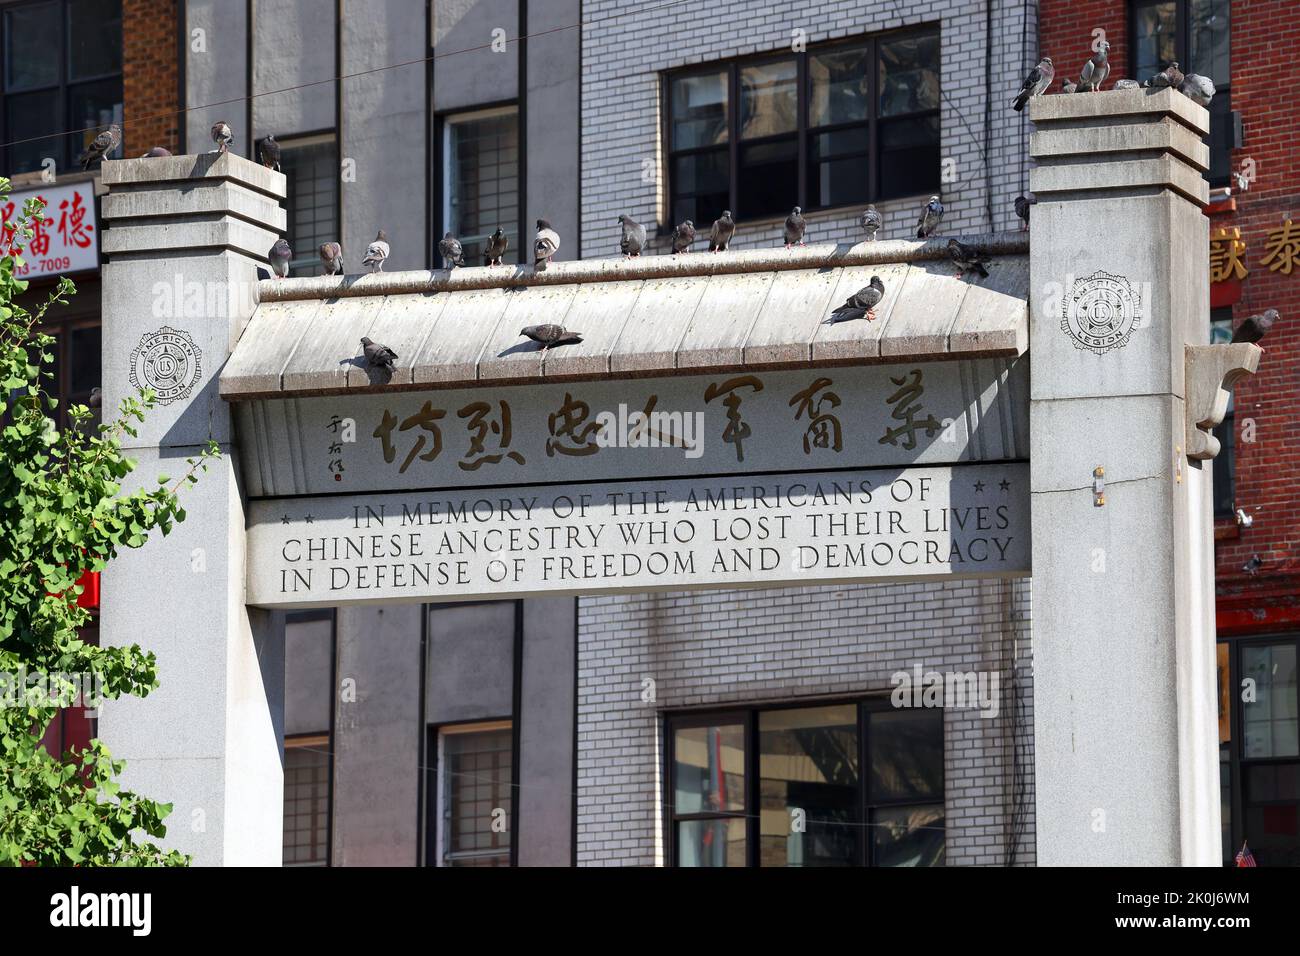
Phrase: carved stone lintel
(1212, 370)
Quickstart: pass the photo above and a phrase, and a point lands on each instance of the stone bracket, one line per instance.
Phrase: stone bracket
(1212, 370)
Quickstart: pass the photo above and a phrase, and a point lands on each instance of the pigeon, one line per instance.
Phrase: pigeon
(683, 236)
(157, 153)
(331, 257)
(1127, 84)
(1255, 328)
(96, 397)
(496, 248)
(1037, 80)
(930, 216)
(724, 227)
(222, 135)
(268, 151)
(378, 356)
(545, 245)
(279, 257)
(1170, 76)
(863, 302)
(794, 227)
(633, 239)
(1240, 181)
(452, 252)
(1096, 69)
(550, 335)
(377, 252)
(1197, 88)
(102, 145)
(871, 221)
(968, 258)
(1068, 85)
(1022, 209)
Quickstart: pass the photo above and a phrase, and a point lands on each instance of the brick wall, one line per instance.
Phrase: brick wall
(150, 76)
(719, 648)
(1065, 34)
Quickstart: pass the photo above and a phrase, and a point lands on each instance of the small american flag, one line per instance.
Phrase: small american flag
(1245, 857)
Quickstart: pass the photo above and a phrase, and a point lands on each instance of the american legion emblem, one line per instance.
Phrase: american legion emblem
(168, 362)
(1100, 312)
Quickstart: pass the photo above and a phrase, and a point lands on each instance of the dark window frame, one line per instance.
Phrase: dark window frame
(439, 198)
(306, 260)
(331, 615)
(435, 774)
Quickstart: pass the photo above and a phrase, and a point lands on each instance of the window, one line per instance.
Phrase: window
(841, 124)
(1196, 34)
(306, 800)
(311, 166)
(785, 786)
(1225, 461)
(480, 185)
(76, 353)
(308, 756)
(475, 776)
(62, 71)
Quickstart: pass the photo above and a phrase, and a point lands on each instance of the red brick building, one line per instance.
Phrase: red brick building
(1244, 45)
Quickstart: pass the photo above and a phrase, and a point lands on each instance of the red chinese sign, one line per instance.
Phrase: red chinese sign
(67, 242)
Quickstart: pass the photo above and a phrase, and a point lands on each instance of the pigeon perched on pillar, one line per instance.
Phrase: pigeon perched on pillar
(496, 248)
(280, 255)
(724, 227)
(331, 257)
(1126, 85)
(1036, 80)
(545, 244)
(377, 252)
(378, 356)
(863, 302)
(1170, 76)
(102, 145)
(931, 216)
(1068, 85)
(683, 236)
(550, 335)
(794, 227)
(1096, 69)
(1022, 210)
(452, 252)
(222, 135)
(1255, 327)
(158, 152)
(871, 220)
(633, 237)
(968, 258)
(268, 151)
(1197, 88)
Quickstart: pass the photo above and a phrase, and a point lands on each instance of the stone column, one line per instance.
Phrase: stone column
(185, 236)
(1123, 587)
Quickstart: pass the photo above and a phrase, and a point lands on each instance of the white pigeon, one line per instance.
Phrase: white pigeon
(545, 245)
(377, 252)
(222, 135)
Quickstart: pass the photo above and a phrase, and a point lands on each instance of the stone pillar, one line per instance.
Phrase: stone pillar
(185, 236)
(1123, 586)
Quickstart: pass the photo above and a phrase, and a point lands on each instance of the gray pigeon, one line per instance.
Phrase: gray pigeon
(96, 398)
(1037, 80)
(550, 335)
(633, 239)
(452, 252)
(268, 151)
(1127, 85)
(968, 258)
(863, 302)
(377, 252)
(1170, 76)
(1200, 89)
(1068, 85)
(683, 236)
(496, 248)
(1022, 209)
(158, 152)
(545, 244)
(102, 145)
(378, 356)
(930, 218)
(222, 135)
(794, 227)
(724, 227)
(1256, 327)
(280, 255)
(871, 221)
(331, 257)
(1096, 70)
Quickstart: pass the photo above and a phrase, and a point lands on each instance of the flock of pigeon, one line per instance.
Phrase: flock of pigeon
(1097, 68)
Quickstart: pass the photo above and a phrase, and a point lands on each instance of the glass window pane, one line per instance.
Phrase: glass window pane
(92, 107)
(906, 748)
(709, 768)
(837, 86)
(32, 116)
(311, 170)
(909, 74)
(1270, 720)
(711, 842)
(909, 156)
(83, 362)
(476, 780)
(808, 767)
(306, 804)
(1209, 39)
(698, 107)
(1155, 43)
(33, 39)
(94, 38)
(483, 194)
(907, 836)
(837, 167)
(769, 99)
(768, 178)
(700, 190)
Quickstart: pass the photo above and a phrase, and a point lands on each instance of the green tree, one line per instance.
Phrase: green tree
(62, 512)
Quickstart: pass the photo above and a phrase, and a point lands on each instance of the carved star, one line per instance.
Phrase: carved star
(1004, 485)
(284, 520)
(308, 519)
(979, 486)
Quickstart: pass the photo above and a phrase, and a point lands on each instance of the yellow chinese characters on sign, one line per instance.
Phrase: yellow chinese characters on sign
(1283, 247)
(1227, 251)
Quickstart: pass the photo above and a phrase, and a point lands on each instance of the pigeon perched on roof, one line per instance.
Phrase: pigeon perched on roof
(452, 252)
(683, 236)
(1022, 209)
(496, 248)
(1068, 85)
(968, 258)
(930, 218)
(102, 145)
(794, 227)
(158, 152)
(1036, 80)
(222, 135)
(377, 252)
(1170, 76)
(1096, 69)
(863, 302)
(1197, 88)
(268, 151)
(633, 238)
(724, 227)
(279, 256)
(378, 356)
(871, 220)
(1256, 327)
(331, 257)
(545, 244)
(1126, 85)
(550, 335)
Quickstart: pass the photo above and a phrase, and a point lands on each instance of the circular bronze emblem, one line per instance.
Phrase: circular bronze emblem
(1100, 312)
(168, 362)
